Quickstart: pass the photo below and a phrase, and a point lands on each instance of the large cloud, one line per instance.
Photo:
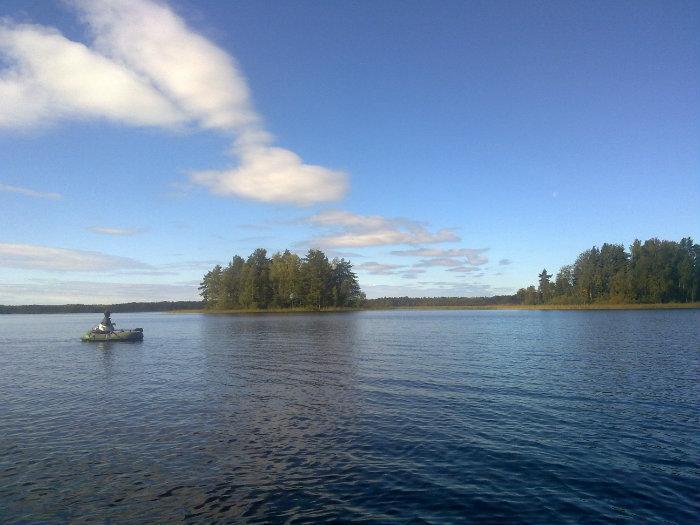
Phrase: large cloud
(147, 68)
(51, 77)
(353, 230)
(275, 175)
(191, 71)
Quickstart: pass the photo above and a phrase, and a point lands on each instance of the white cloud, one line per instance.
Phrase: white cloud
(146, 67)
(151, 40)
(51, 77)
(35, 257)
(474, 256)
(30, 193)
(352, 230)
(275, 175)
(51, 291)
(118, 232)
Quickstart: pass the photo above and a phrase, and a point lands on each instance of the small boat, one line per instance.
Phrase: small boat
(118, 335)
(106, 331)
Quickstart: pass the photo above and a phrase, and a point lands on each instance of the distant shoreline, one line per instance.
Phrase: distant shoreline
(116, 308)
(650, 306)
(172, 307)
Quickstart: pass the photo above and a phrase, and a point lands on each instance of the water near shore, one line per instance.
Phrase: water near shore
(431, 416)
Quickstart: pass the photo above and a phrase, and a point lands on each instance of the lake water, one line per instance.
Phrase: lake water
(415, 416)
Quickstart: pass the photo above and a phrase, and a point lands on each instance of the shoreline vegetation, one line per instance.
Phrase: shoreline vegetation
(636, 306)
(157, 306)
(198, 309)
(652, 275)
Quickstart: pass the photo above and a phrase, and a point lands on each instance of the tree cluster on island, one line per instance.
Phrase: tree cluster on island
(282, 281)
(655, 271)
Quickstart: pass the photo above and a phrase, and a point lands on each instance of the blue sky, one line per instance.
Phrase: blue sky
(446, 148)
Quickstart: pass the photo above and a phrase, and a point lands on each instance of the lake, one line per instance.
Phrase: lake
(375, 417)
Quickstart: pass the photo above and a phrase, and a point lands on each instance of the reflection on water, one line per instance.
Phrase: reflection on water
(517, 417)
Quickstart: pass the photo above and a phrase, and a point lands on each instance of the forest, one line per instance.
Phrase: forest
(655, 271)
(382, 303)
(284, 280)
(160, 306)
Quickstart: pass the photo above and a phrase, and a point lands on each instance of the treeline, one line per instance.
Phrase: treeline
(161, 306)
(284, 280)
(432, 302)
(656, 271)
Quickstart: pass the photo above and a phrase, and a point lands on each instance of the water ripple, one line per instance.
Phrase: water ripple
(407, 417)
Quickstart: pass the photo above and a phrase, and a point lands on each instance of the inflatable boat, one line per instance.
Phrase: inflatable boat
(117, 335)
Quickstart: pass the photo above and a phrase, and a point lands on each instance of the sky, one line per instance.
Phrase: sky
(445, 148)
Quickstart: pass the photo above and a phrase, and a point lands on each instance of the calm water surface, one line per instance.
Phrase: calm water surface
(420, 416)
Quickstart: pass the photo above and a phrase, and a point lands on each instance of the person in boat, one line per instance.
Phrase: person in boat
(106, 324)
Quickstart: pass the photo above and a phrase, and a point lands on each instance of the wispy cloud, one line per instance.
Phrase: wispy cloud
(197, 265)
(171, 77)
(505, 262)
(473, 256)
(35, 257)
(344, 255)
(51, 291)
(249, 226)
(412, 273)
(118, 232)
(375, 268)
(463, 269)
(26, 191)
(436, 289)
(440, 261)
(353, 230)
(173, 268)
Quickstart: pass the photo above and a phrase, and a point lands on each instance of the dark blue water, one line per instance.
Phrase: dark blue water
(437, 416)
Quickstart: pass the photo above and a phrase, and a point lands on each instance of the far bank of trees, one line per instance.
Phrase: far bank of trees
(655, 271)
(438, 302)
(159, 306)
(284, 280)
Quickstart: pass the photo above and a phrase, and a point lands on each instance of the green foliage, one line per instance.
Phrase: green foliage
(345, 289)
(655, 271)
(441, 302)
(283, 281)
(528, 295)
(544, 290)
(211, 286)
